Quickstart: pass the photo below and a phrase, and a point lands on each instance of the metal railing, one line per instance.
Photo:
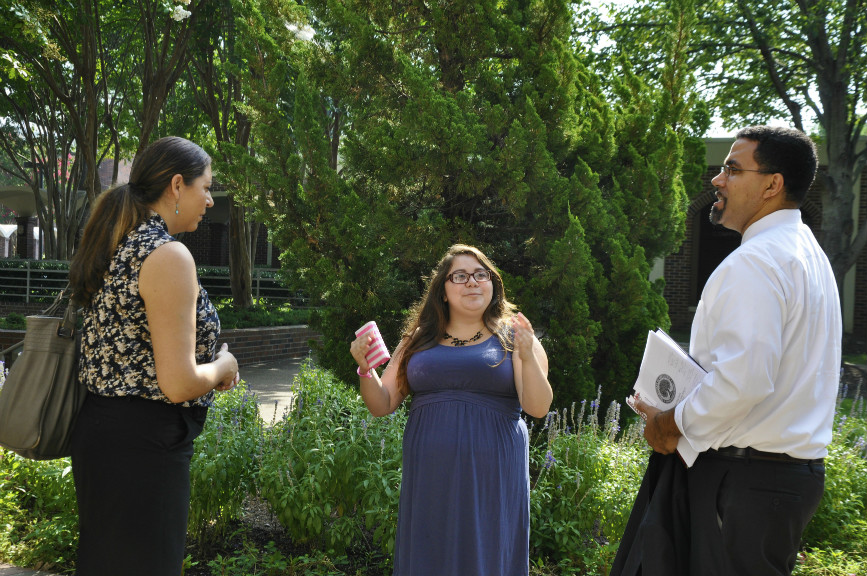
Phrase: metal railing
(40, 281)
(266, 286)
(32, 281)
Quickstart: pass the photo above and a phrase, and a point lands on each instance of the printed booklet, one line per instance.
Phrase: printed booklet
(667, 374)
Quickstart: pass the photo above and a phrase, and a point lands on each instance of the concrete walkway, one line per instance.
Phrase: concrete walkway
(270, 381)
(272, 384)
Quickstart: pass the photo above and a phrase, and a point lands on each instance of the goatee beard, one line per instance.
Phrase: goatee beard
(714, 216)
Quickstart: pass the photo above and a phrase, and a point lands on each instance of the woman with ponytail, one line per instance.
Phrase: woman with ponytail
(149, 361)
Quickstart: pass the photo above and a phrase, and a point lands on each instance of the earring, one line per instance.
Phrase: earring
(176, 207)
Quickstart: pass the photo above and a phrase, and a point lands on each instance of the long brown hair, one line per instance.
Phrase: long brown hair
(119, 210)
(426, 324)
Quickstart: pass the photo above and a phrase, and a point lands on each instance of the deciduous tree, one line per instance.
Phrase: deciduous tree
(37, 144)
(801, 61)
(215, 73)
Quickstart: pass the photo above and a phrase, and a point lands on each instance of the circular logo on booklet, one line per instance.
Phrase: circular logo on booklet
(665, 388)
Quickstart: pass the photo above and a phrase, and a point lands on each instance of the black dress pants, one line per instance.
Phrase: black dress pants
(131, 465)
(747, 515)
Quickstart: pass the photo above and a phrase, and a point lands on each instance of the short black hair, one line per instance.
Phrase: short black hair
(787, 151)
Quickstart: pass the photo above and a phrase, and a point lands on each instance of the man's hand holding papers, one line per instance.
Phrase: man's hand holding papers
(667, 375)
(660, 431)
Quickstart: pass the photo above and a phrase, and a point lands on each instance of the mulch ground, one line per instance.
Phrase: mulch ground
(258, 528)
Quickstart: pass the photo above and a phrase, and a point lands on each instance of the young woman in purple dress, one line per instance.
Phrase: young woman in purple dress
(471, 365)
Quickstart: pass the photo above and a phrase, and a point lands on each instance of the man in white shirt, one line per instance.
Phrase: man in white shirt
(768, 331)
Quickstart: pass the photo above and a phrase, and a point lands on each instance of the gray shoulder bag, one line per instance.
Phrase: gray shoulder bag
(41, 397)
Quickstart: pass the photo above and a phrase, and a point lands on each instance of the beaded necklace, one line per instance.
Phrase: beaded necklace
(459, 342)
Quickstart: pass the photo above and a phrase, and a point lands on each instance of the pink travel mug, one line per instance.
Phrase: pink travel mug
(378, 354)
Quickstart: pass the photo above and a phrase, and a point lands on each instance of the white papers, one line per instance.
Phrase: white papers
(667, 375)
(667, 372)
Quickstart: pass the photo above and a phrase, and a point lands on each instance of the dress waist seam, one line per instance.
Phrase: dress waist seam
(462, 396)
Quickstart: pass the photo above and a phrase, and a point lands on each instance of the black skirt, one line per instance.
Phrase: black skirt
(131, 465)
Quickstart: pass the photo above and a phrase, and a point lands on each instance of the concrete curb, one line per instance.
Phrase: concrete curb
(8, 570)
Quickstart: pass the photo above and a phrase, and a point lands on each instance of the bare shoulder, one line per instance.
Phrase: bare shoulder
(168, 266)
(171, 254)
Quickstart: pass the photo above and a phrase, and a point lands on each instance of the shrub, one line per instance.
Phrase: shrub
(224, 464)
(329, 470)
(841, 521)
(14, 321)
(251, 561)
(331, 474)
(585, 479)
(39, 515)
(829, 562)
(260, 315)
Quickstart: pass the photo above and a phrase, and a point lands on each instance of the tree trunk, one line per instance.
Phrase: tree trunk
(253, 238)
(838, 197)
(240, 263)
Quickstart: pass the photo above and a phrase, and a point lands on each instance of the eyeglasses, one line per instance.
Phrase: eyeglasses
(463, 277)
(730, 171)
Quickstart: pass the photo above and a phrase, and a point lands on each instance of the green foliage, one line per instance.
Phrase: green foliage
(836, 537)
(260, 315)
(750, 64)
(222, 471)
(38, 512)
(328, 483)
(331, 474)
(18, 264)
(585, 478)
(397, 134)
(13, 321)
(7, 215)
(830, 562)
(841, 520)
(251, 561)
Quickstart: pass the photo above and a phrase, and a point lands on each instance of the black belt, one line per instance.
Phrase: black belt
(751, 453)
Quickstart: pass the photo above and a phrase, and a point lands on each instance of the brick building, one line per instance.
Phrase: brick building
(209, 244)
(705, 246)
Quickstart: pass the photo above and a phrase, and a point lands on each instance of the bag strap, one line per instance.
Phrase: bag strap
(66, 327)
(54, 309)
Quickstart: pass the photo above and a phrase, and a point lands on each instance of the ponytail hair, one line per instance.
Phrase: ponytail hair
(119, 210)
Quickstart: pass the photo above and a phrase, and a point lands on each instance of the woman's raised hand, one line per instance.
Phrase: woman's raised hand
(524, 336)
(359, 348)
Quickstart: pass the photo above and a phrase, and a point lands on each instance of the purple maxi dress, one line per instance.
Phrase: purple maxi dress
(465, 491)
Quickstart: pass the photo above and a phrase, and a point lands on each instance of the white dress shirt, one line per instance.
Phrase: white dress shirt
(768, 331)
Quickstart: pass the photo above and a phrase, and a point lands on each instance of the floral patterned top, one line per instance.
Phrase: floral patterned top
(117, 357)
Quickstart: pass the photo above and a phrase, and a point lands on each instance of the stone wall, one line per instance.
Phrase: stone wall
(252, 345)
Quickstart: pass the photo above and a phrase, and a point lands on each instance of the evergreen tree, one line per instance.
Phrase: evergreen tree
(403, 128)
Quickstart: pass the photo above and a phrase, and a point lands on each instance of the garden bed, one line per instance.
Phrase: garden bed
(316, 493)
